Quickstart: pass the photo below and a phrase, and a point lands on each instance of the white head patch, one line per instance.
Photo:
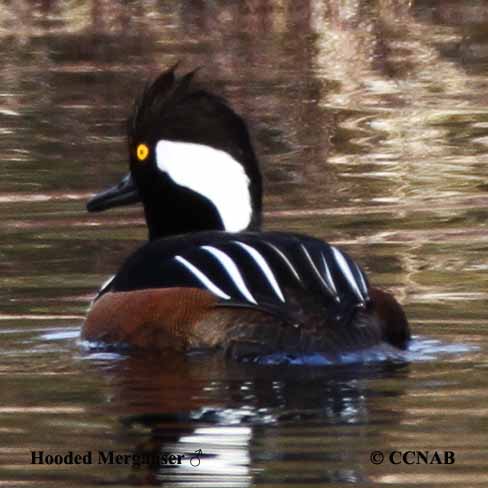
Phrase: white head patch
(214, 174)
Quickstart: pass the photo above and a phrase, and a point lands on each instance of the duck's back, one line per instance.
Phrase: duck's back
(249, 293)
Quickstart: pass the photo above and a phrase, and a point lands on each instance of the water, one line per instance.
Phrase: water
(371, 121)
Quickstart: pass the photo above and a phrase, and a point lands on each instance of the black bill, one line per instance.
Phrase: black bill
(124, 193)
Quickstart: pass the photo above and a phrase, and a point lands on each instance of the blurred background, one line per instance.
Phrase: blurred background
(370, 119)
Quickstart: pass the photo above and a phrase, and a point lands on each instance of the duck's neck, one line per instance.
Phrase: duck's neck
(181, 211)
(180, 218)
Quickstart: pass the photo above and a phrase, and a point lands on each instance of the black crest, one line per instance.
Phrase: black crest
(158, 99)
(178, 108)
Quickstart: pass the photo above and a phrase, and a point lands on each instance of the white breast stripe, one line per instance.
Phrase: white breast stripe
(341, 261)
(232, 270)
(328, 276)
(285, 259)
(203, 279)
(212, 173)
(106, 284)
(362, 282)
(327, 287)
(264, 267)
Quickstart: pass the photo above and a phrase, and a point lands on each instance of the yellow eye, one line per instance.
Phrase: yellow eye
(142, 152)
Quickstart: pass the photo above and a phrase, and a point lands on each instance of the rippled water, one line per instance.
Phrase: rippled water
(371, 120)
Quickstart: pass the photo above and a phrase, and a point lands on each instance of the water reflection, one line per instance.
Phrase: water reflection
(243, 416)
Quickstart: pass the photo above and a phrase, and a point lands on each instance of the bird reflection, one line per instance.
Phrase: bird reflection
(226, 419)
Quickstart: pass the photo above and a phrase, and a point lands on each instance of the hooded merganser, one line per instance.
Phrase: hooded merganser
(209, 277)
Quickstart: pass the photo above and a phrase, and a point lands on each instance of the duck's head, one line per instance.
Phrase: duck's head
(192, 163)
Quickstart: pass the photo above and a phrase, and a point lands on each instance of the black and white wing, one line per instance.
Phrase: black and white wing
(283, 274)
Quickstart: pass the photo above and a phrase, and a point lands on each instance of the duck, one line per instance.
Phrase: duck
(209, 278)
